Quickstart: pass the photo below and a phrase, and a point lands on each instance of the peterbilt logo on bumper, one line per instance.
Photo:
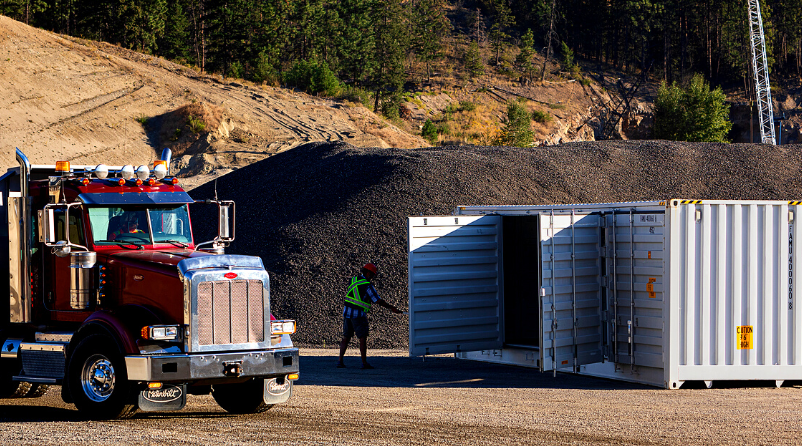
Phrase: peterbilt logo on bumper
(275, 388)
(164, 395)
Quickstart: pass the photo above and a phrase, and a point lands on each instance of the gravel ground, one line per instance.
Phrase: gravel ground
(406, 401)
(316, 213)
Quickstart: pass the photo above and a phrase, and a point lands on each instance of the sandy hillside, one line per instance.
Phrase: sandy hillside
(65, 98)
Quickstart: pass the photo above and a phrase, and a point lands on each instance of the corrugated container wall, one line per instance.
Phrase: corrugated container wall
(652, 292)
(734, 310)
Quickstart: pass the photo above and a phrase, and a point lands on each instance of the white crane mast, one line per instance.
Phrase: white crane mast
(761, 70)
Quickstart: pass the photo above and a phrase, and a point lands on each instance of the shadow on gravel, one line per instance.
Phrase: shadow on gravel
(11, 413)
(442, 372)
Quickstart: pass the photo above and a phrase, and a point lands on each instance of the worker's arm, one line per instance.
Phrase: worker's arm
(390, 307)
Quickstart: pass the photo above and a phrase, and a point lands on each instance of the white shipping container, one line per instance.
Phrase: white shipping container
(653, 292)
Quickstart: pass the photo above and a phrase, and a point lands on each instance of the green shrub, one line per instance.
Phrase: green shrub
(264, 71)
(142, 119)
(541, 116)
(467, 106)
(313, 78)
(355, 94)
(236, 70)
(517, 129)
(429, 131)
(196, 124)
(693, 113)
(557, 106)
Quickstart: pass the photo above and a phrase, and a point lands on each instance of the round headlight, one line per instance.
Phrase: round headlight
(160, 171)
(127, 172)
(142, 172)
(101, 171)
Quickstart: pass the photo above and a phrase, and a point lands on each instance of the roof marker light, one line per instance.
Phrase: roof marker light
(84, 181)
(174, 180)
(121, 181)
(127, 172)
(160, 170)
(142, 172)
(62, 166)
(101, 171)
(138, 182)
(151, 181)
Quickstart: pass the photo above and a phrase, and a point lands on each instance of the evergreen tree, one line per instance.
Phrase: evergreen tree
(429, 25)
(355, 42)
(473, 61)
(524, 61)
(502, 19)
(691, 114)
(174, 43)
(391, 46)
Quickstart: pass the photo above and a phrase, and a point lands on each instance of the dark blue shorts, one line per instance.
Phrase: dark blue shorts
(355, 325)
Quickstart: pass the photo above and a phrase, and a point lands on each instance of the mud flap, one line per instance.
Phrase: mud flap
(277, 390)
(168, 397)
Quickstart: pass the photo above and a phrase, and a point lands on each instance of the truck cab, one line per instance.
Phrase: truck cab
(111, 297)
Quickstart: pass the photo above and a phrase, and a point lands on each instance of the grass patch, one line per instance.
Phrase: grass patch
(542, 117)
(557, 106)
(142, 119)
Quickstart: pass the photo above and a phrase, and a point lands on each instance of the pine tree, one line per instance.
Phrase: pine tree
(517, 128)
(174, 43)
(524, 61)
(473, 61)
(355, 42)
(429, 25)
(391, 46)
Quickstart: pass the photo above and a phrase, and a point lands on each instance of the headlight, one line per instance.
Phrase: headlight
(282, 327)
(161, 332)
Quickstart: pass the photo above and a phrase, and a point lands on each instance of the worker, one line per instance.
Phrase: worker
(360, 297)
(130, 225)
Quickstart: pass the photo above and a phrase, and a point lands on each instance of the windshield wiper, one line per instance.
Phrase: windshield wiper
(174, 242)
(122, 244)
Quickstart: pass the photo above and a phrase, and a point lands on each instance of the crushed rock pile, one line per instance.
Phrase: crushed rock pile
(316, 213)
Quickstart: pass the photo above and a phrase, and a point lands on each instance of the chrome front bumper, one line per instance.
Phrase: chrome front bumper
(190, 367)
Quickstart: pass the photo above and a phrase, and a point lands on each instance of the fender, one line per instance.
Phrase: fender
(123, 324)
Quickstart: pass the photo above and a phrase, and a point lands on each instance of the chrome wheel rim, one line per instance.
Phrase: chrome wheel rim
(98, 378)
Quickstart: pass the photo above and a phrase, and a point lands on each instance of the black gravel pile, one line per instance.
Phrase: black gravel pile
(316, 213)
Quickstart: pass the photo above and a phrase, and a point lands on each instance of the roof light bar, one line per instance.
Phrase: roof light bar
(101, 171)
(142, 172)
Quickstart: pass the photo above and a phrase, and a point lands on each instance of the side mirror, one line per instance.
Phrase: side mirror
(226, 221)
(47, 226)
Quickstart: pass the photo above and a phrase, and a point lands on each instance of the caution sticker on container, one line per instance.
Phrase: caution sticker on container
(650, 287)
(744, 337)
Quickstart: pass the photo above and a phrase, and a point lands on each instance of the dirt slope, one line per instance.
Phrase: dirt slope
(65, 98)
(314, 215)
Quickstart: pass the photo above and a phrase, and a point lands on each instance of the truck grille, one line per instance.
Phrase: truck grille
(230, 312)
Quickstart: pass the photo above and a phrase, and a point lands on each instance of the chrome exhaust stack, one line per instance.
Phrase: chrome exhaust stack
(19, 221)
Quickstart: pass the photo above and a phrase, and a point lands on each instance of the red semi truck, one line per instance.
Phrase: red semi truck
(111, 298)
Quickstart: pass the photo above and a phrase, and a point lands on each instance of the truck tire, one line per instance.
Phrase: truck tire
(241, 398)
(98, 379)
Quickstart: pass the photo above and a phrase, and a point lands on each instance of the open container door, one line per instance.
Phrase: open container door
(570, 292)
(454, 284)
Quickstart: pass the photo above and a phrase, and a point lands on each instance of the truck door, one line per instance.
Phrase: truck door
(454, 284)
(57, 289)
(570, 292)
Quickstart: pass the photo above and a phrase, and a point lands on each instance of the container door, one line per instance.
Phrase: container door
(635, 266)
(454, 284)
(570, 290)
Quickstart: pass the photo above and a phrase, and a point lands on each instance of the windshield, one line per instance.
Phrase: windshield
(139, 225)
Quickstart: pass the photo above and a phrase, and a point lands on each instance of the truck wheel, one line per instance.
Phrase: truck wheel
(241, 398)
(98, 379)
